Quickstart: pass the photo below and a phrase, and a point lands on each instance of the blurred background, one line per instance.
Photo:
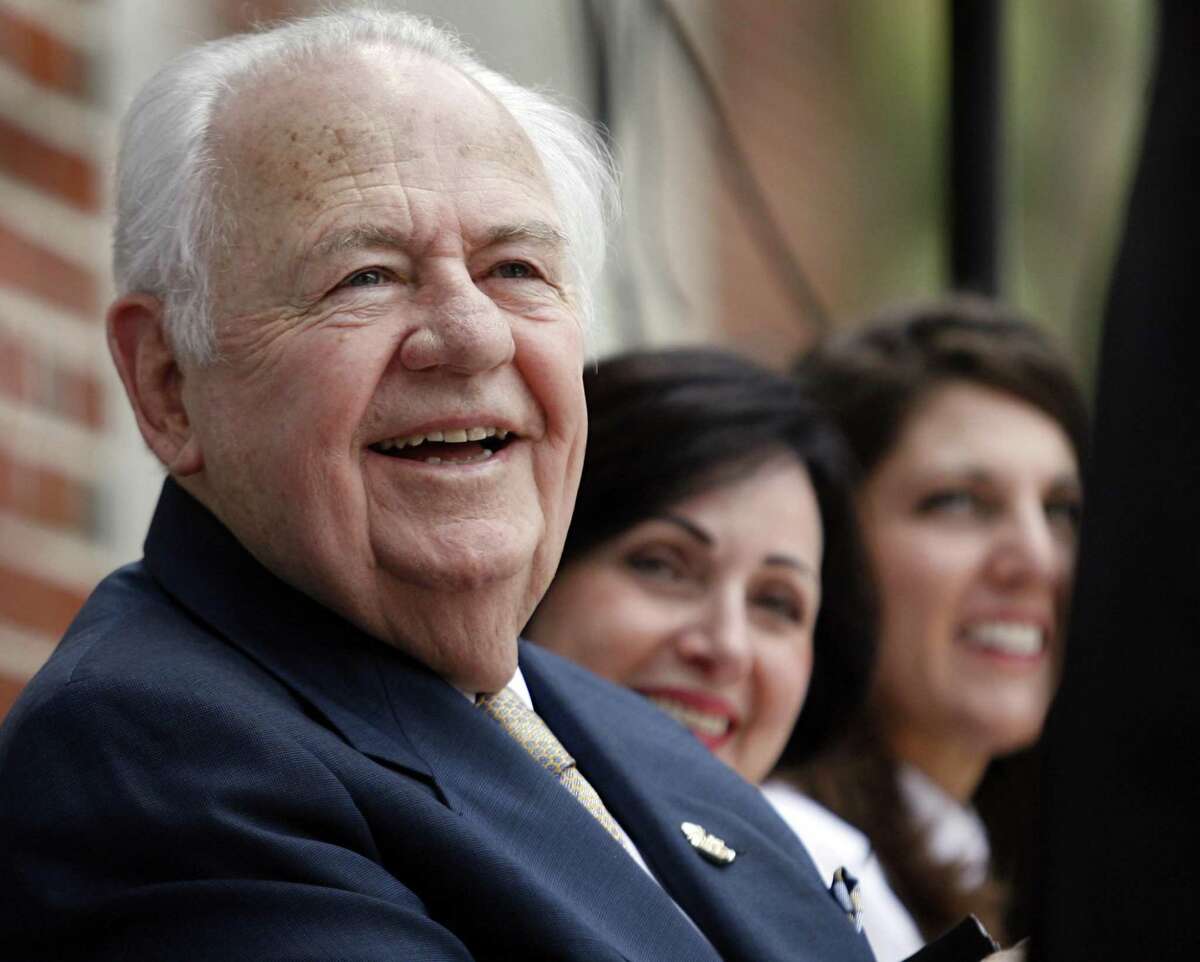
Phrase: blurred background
(785, 173)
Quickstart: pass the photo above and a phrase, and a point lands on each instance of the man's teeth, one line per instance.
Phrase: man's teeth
(483, 455)
(693, 718)
(1010, 638)
(453, 436)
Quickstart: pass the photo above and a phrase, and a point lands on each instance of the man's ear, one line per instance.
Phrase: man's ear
(153, 381)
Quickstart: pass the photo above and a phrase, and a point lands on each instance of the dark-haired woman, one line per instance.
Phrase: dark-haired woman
(712, 561)
(969, 431)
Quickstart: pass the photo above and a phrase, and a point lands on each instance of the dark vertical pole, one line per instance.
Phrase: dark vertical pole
(976, 143)
(1120, 833)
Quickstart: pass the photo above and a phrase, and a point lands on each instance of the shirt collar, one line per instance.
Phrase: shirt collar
(517, 684)
(956, 832)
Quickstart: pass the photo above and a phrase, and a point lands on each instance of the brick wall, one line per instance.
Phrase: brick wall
(53, 376)
(786, 73)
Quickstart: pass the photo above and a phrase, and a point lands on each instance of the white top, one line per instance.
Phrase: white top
(833, 844)
(956, 832)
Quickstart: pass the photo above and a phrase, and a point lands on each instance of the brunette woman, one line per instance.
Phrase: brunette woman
(969, 431)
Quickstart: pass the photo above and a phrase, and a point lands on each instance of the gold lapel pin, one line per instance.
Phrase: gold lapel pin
(711, 847)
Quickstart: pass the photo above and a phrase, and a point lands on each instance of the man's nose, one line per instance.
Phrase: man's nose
(461, 330)
(718, 640)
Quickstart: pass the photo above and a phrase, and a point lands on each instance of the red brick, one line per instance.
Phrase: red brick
(41, 56)
(14, 376)
(73, 395)
(35, 603)
(93, 402)
(35, 270)
(10, 687)
(42, 495)
(786, 71)
(80, 398)
(66, 175)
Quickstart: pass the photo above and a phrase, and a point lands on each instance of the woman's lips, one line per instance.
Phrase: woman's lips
(710, 718)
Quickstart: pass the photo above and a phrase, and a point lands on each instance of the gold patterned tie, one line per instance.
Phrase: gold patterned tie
(527, 727)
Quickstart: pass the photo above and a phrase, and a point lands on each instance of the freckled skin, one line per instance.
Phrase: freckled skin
(444, 564)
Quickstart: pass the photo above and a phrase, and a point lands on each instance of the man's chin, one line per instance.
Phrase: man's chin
(472, 561)
(467, 635)
(459, 612)
(473, 667)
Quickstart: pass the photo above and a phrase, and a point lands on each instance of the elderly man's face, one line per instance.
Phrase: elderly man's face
(397, 282)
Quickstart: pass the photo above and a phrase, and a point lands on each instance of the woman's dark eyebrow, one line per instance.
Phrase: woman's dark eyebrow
(693, 529)
(787, 561)
(690, 527)
(1068, 482)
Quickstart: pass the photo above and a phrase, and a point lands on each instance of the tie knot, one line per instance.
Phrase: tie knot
(527, 727)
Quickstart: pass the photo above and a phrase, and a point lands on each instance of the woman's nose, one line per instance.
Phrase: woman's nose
(1029, 549)
(718, 641)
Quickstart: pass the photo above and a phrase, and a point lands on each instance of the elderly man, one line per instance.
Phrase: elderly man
(353, 269)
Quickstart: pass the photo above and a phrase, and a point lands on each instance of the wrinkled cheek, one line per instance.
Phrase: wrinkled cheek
(557, 480)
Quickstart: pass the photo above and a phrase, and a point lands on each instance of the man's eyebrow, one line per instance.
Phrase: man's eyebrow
(534, 230)
(360, 236)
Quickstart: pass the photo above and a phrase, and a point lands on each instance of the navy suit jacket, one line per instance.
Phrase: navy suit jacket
(213, 766)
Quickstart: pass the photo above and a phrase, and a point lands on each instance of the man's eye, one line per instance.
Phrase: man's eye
(371, 277)
(515, 270)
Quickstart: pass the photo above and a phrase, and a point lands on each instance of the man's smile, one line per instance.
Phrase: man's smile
(450, 446)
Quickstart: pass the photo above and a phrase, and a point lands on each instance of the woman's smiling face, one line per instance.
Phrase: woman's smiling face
(707, 609)
(970, 522)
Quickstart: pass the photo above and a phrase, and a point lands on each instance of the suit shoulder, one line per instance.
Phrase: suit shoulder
(586, 687)
(594, 697)
(130, 636)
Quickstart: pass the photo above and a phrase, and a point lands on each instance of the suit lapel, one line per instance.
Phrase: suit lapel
(654, 776)
(324, 661)
(524, 823)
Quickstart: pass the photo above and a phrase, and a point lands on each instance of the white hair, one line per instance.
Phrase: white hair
(169, 219)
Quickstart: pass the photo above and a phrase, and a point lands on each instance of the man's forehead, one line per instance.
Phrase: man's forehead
(407, 105)
(334, 159)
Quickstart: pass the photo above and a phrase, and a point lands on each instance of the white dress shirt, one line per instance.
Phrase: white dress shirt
(833, 844)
